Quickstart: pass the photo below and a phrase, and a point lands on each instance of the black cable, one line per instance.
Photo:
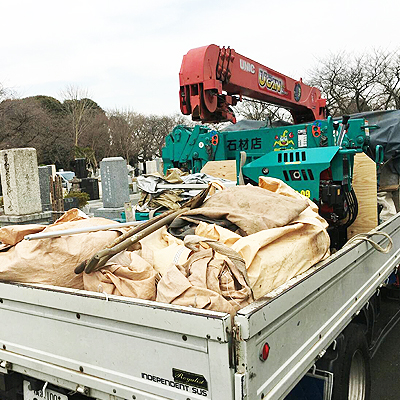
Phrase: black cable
(352, 204)
(355, 202)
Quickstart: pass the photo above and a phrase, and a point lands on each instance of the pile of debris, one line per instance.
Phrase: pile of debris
(169, 192)
(219, 254)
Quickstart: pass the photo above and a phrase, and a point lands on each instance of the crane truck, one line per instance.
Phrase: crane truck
(311, 338)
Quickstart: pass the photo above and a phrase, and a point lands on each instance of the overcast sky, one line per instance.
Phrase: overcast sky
(127, 53)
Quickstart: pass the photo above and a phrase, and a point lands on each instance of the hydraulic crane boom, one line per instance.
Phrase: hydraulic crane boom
(315, 156)
(211, 77)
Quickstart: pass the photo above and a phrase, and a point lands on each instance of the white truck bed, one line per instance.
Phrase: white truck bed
(120, 348)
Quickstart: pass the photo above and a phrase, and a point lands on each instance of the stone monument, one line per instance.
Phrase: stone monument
(45, 173)
(151, 167)
(115, 187)
(20, 184)
(154, 166)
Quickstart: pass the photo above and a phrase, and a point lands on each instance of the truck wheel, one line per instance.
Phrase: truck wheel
(351, 372)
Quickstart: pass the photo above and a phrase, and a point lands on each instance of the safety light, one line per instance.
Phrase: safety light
(264, 352)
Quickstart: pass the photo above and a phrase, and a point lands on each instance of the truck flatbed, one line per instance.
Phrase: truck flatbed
(110, 347)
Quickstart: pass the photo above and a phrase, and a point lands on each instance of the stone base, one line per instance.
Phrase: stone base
(36, 218)
(46, 207)
(110, 213)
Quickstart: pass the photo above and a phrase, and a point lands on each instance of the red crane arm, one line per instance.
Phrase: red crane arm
(211, 76)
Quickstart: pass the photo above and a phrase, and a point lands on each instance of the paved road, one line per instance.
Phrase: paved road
(385, 368)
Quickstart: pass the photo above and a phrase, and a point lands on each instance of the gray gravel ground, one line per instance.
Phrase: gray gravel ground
(385, 368)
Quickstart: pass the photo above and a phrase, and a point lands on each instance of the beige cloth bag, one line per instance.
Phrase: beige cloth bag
(162, 250)
(52, 261)
(273, 256)
(12, 234)
(205, 281)
(251, 208)
(125, 274)
(292, 239)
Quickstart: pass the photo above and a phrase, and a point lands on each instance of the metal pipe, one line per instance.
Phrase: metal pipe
(95, 260)
(47, 235)
(138, 233)
(100, 258)
(343, 131)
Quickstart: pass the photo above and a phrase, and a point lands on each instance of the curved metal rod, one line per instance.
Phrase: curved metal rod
(138, 233)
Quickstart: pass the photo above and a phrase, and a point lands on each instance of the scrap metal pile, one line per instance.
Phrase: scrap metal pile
(172, 190)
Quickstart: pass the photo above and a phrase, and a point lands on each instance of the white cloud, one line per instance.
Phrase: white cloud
(128, 53)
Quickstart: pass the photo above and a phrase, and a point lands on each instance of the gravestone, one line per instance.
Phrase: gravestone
(154, 166)
(160, 165)
(20, 181)
(151, 167)
(115, 187)
(70, 202)
(141, 168)
(91, 187)
(45, 173)
(80, 168)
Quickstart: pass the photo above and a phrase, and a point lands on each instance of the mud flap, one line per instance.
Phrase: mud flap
(315, 385)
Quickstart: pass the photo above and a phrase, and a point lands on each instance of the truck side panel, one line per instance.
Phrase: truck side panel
(302, 322)
(129, 348)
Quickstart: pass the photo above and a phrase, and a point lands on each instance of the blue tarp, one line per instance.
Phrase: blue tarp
(387, 135)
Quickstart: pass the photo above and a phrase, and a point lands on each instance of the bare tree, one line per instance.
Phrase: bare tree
(95, 140)
(6, 93)
(358, 82)
(80, 109)
(138, 137)
(26, 123)
(390, 82)
(156, 129)
(22, 121)
(2, 92)
(125, 132)
(260, 111)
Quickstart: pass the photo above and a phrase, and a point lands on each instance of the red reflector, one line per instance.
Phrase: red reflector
(264, 352)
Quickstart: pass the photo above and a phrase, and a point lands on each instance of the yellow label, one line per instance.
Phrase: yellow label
(306, 193)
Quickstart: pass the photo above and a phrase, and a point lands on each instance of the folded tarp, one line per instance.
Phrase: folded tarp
(252, 209)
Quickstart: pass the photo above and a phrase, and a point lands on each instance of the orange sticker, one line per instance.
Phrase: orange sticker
(316, 131)
(214, 140)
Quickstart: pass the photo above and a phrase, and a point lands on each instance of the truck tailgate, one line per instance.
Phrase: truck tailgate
(114, 347)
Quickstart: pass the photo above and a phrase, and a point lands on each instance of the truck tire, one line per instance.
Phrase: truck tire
(351, 371)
